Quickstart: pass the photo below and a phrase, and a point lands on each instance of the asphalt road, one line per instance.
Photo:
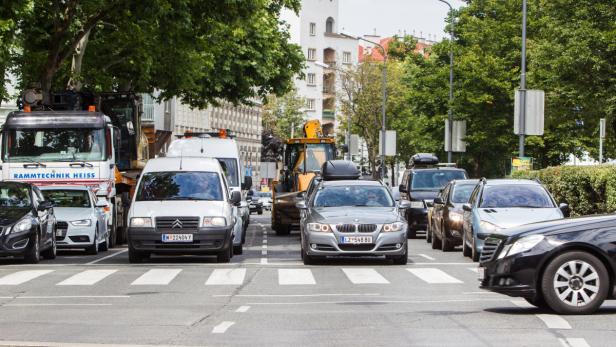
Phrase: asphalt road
(267, 297)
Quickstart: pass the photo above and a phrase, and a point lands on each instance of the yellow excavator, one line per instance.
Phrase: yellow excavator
(302, 159)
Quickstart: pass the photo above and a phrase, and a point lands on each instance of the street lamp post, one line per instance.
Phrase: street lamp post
(522, 121)
(384, 103)
(450, 112)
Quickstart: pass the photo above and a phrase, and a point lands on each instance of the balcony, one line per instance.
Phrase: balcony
(329, 115)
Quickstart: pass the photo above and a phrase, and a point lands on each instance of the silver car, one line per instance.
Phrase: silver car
(352, 218)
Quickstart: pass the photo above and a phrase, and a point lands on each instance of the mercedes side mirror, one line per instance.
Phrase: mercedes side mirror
(564, 208)
(467, 207)
(301, 205)
(438, 200)
(404, 204)
(236, 198)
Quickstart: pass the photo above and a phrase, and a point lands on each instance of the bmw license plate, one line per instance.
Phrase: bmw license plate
(481, 273)
(355, 240)
(177, 238)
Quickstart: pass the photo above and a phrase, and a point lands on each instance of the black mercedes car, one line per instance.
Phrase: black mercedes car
(568, 265)
(27, 223)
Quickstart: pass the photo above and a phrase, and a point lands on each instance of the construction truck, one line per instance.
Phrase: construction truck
(302, 160)
(77, 138)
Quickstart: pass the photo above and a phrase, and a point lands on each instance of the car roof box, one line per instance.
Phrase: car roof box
(339, 170)
(423, 159)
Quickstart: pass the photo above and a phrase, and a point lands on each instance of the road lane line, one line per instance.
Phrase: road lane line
(433, 276)
(364, 276)
(75, 297)
(20, 277)
(264, 246)
(414, 302)
(86, 278)
(226, 277)
(222, 327)
(264, 241)
(67, 304)
(293, 295)
(107, 257)
(295, 277)
(264, 252)
(157, 277)
(553, 321)
(426, 256)
(474, 269)
(242, 309)
(263, 260)
(573, 342)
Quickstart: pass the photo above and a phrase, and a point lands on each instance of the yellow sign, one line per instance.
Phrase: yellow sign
(521, 164)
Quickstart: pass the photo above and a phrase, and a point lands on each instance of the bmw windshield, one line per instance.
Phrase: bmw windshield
(343, 196)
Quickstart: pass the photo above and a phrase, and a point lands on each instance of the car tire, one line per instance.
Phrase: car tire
(537, 301)
(474, 253)
(225, 255)
(595, 276)
(436, 242)
(239, 249)
(446, 243)
(134, 256)
(260, 212)
(466, 251)
(33, 254)
(402, 259)
(104, 247)
(50, 253)
(429, 233)
(307, 259)
(93, 249)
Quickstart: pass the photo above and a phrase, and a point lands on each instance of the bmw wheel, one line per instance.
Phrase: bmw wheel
(575, 283)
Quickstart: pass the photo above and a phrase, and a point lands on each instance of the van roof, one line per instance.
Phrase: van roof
(187, 164)
(212, 147)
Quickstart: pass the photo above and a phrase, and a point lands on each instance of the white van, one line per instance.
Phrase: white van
(226, 151)
(182, 206)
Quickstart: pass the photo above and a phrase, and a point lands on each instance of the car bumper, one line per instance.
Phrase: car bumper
(205, 241)
(327, 244)
(76, 237)
(513, 276)
(14, 244)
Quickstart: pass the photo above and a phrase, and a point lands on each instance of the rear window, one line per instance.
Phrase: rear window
(515, 195)
(68, 198)
(180, 186)
(435, 179)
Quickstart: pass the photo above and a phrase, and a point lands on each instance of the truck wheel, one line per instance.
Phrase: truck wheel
(33, 254)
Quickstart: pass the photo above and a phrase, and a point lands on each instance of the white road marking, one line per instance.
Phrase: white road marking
(573, 342)
(22, 277)
(67, 304)
(474, 269)
(414, 302)
(222, 327)
(107, 257)
(293, 295)
(65, 344)
(426, 256)
(226, 277)
(433, 276)
(264, 252)
(263, 260)
(364, 276)
(264, 241)
(75, 297)
(295, 277)
(553, 321)
(242, 309)
(86, 278)
(157, 277)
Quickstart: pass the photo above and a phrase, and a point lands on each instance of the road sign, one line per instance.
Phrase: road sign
(521, 164)
(535, 105)
(390, 144)
(354, 145)
(459, 133)
(602, 128)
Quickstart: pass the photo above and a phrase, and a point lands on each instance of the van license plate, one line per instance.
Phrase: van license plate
(355, 240)
(177, 238)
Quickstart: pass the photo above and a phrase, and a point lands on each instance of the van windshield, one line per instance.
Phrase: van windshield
(157, 186)
(229, 166)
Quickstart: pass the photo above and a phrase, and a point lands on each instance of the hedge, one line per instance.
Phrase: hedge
(587, 189)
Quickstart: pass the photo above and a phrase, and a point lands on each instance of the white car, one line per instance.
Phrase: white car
(266, 199)
(81, 218)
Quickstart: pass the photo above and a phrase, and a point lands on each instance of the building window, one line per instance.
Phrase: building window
(313, 29)
(311, 79)
(329, 25)
(310, 104)
(346, 57)
(312, 54)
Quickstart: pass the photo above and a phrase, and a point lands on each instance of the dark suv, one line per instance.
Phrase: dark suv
(420, 184)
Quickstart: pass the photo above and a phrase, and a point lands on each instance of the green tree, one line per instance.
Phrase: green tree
(281, 114)
(10, 12)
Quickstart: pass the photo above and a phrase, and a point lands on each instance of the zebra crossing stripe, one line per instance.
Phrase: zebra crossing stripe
(295, 277)
(86, 278)
(434, 276)
(157, 277)
(364, 276)
(20, 277)
(226, 277)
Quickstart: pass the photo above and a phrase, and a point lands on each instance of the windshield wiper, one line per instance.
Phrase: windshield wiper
(186, 198)
(34, 163)
(80, 163)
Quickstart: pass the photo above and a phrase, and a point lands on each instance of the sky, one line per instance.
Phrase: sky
(390, 17)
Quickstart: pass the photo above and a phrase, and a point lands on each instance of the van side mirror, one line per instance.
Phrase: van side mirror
(402, 188)
(247, 183)
(467, 207)
(236, 198)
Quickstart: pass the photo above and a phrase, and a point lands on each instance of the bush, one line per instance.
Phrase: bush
(587, 189)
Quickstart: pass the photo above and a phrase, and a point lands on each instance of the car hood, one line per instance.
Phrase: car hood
(423, 194)
(512, 217)
(9, 216)
(72, 213)
(560, 226)
(361, 215)
(177, 208)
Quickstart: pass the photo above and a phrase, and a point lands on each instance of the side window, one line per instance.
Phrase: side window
(445, 193)
(474, 195)
(225, 186)
(38, 196)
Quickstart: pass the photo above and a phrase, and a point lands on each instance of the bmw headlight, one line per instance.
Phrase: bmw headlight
(417, 204)
(214, 222)
(22, 225)
(325, 228)
(82, 223)
(524, 244)
(141, 222)
(487, 227)
(393, 227)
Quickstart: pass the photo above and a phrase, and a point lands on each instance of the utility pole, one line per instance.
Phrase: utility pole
(522, 120)
(450, 111)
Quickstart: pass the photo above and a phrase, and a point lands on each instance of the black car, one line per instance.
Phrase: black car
(27, 223)
(421, 183)
(253, 202)
(568, 265)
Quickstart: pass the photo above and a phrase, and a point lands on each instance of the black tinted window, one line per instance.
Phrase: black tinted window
(180, 186)
(515, 195)
(434, 179)
(14, 196)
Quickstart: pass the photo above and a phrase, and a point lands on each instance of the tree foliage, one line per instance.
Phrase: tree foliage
(283, 113)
